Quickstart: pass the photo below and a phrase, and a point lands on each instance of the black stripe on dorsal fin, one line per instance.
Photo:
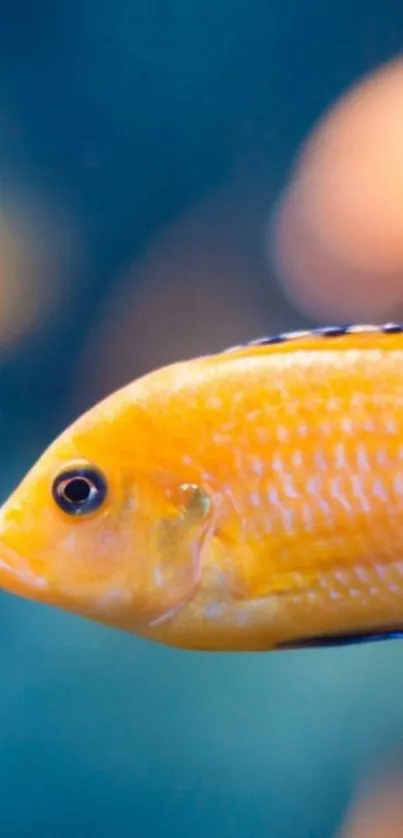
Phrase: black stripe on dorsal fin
(322, 331)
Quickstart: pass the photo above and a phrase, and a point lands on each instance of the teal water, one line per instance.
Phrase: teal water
(102, 731)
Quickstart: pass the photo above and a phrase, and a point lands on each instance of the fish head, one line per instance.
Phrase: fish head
(103, 532)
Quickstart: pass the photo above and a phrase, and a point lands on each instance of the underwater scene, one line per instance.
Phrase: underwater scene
(193, 580)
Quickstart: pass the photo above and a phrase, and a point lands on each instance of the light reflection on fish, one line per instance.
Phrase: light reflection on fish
(250, 500)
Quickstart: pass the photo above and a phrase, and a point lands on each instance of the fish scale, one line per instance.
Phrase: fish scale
(330, 539)
(248, 500)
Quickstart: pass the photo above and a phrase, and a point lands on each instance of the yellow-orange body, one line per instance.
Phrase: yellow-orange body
(255, 499)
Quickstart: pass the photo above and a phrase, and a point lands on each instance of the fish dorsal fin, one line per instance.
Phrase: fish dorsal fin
(355, 336)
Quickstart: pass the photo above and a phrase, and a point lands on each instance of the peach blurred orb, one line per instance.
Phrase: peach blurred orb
(378, 814)
(337, 237)
(38, 251)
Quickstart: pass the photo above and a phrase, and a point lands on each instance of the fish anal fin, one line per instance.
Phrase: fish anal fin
(336, 641)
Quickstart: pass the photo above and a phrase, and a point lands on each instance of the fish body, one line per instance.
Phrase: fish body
(250, 500)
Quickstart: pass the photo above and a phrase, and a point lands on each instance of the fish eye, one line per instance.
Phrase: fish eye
(79, 491)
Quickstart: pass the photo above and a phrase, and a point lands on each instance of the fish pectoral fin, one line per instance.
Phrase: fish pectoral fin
(257, 587)
(287, 583)
(247, 569)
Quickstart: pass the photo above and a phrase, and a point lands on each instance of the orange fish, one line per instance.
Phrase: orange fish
(250, 500)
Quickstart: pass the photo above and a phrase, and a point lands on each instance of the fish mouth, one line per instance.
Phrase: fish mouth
(16, 576)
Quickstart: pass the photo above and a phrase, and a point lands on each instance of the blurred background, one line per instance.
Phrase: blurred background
(177, 178)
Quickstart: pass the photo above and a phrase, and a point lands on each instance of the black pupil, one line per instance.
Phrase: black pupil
(77, 490)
